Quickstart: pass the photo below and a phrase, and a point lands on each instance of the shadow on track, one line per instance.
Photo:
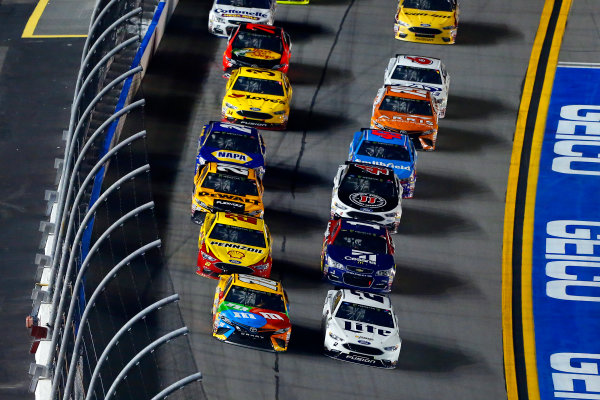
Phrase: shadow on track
(308, 74)
(306, 341)
(278, 179)
(302, 31)
(434, 186)
(466, 107)
(316, 121)
(296, 275)
(280, 221)
(429, 357)
(417, 221)
(413, 281)
(485, 34)
(461, 141)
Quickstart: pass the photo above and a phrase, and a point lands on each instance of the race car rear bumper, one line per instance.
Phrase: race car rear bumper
(360, 359)
(256, 123)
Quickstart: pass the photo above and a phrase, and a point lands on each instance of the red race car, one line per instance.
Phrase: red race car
(257, 45)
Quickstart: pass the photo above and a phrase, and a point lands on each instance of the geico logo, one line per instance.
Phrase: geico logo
(358, 327)
(573, 367)
(236, 246)
(354, 357)
(231, 156)
(241, 12)
(228, 197)
(276, 101)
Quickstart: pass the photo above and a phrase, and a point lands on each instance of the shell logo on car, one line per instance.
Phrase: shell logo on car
(427, 21)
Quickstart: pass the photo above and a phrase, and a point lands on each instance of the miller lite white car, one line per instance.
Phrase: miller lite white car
(418, 72)
(226, 15)
(361, 327)
(367, 192)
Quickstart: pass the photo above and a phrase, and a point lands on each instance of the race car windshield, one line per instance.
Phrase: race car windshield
(366, 314)
(237, 234)
(431, 5)
(416, 74)
(257, 40)
(233, 141)
(256, 85)
(365, 184)
(388, 151)
(245, 3)
(361, 241)
(406, 106)
(230, 184)
(255, 298)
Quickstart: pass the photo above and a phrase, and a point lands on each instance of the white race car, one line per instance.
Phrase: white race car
(367, 192)
(225, 15)
(421, 73)
(361, 327)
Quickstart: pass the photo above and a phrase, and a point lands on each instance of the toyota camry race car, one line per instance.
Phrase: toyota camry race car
(225, 15)
(251, 312)
(358, 255)
(367, 192)
(233, 243)
(427, 21)
(361, 327)
(221, 187)
(231, 144)
(257, 97)
(255, 45)
(421, 73)
(388, 149)
(409, 111)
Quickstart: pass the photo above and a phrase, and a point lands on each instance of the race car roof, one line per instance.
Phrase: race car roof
(407, 92)
(261, 73)
(377, 135)
(258, 283)
(369, 169)
(248, 26)
(368, 299)
(244, 221)
(418, 61)
(362, 226)
(214, 126)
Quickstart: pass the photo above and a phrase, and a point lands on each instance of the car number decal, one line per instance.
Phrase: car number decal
(367, 200)
(258, 281)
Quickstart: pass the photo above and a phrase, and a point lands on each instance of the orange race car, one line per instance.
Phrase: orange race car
(409, 111)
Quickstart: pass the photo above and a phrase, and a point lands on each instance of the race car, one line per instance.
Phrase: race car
(427, 21)
(222, 187)
(225, 15)
(255, 45)
(233, 243)
(252, 312)
(361, 327)
(258, 97)
(367, 192)
(231, 144)
(408, 111)
(388, 149)
(421, 73)
(358, 255)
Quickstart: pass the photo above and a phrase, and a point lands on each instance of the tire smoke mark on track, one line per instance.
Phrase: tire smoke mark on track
(276, 369)
(314, 99)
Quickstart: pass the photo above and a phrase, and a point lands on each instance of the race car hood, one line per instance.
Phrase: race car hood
(368, 202)
(372, 261)
(264, 103)
(437, 91)
(365, 334)
(427, 19)
(259, 318)
(241, 14)
(235, 253)
(406, 122)
(256, 54)
(402, 169)
(248, 160)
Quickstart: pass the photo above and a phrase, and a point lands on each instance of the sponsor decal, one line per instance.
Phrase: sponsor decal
(371, 296)
(228, 197)
(426, 25)
(262, 54)
(414, 120)
(236, 246)
(387, 135)
(242, 218)
(365, 342)
(368, 200)
(362, 359)
(231, 156)
(235, 254)
(374, 170)
(358, 327)
(256, 280)
(361, 257)
(233, 13)
(252, 97)
(236, 306)
(428, 15)
(254, 109)
(271, 315)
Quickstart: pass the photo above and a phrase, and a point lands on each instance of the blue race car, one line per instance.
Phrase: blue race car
(231, 144)
(358, 255)
(388, 149)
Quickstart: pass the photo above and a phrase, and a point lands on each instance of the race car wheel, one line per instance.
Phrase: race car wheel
(198, 217)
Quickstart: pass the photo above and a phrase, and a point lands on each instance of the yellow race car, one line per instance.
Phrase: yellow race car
(252, 312)
(258, 97)
(223, 187)
(427, 21)
(233, 243)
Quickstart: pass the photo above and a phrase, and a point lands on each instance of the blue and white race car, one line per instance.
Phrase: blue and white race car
(387, 149)
(358, 255)
(231, 144)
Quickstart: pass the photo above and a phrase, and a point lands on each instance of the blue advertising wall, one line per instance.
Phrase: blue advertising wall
(566, 243)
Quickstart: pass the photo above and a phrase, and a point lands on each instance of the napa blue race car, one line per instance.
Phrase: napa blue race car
(387, 149)
(358, 255)
(231, 144)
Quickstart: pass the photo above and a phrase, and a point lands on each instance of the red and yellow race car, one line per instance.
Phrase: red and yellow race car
(257, 45)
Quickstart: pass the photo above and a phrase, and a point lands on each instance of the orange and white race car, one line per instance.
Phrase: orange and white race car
(408, 111)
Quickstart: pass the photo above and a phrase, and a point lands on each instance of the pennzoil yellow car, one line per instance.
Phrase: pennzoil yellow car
(233, 243)
(252, 312)
(258, 97)
(223, 187)
(427, 21)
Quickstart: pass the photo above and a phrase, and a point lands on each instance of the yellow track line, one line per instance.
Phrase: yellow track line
(29, 30)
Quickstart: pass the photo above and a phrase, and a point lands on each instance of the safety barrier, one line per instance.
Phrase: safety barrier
(105, 318)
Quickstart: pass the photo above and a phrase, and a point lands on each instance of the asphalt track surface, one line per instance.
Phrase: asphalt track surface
(447, 289)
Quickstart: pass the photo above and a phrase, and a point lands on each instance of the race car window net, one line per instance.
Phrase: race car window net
(406, 106)
(245, 3)
(257, 40)
(366, 184)
(366, 314)
(362, 241)
(237, 234)
(416, 74)
(388, 151)
(255, 298)
(233, 141)
(430, 5)
(257, 85)
(230, 184)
